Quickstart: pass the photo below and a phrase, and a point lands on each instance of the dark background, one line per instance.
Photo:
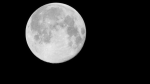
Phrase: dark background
(101, 52)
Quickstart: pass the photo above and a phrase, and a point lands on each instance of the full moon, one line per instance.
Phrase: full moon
(55, 32)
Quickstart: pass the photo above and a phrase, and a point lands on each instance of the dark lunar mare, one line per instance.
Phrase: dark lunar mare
(72, 30)
(53, 14)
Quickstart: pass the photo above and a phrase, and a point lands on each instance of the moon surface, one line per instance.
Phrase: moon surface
(61, 47)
